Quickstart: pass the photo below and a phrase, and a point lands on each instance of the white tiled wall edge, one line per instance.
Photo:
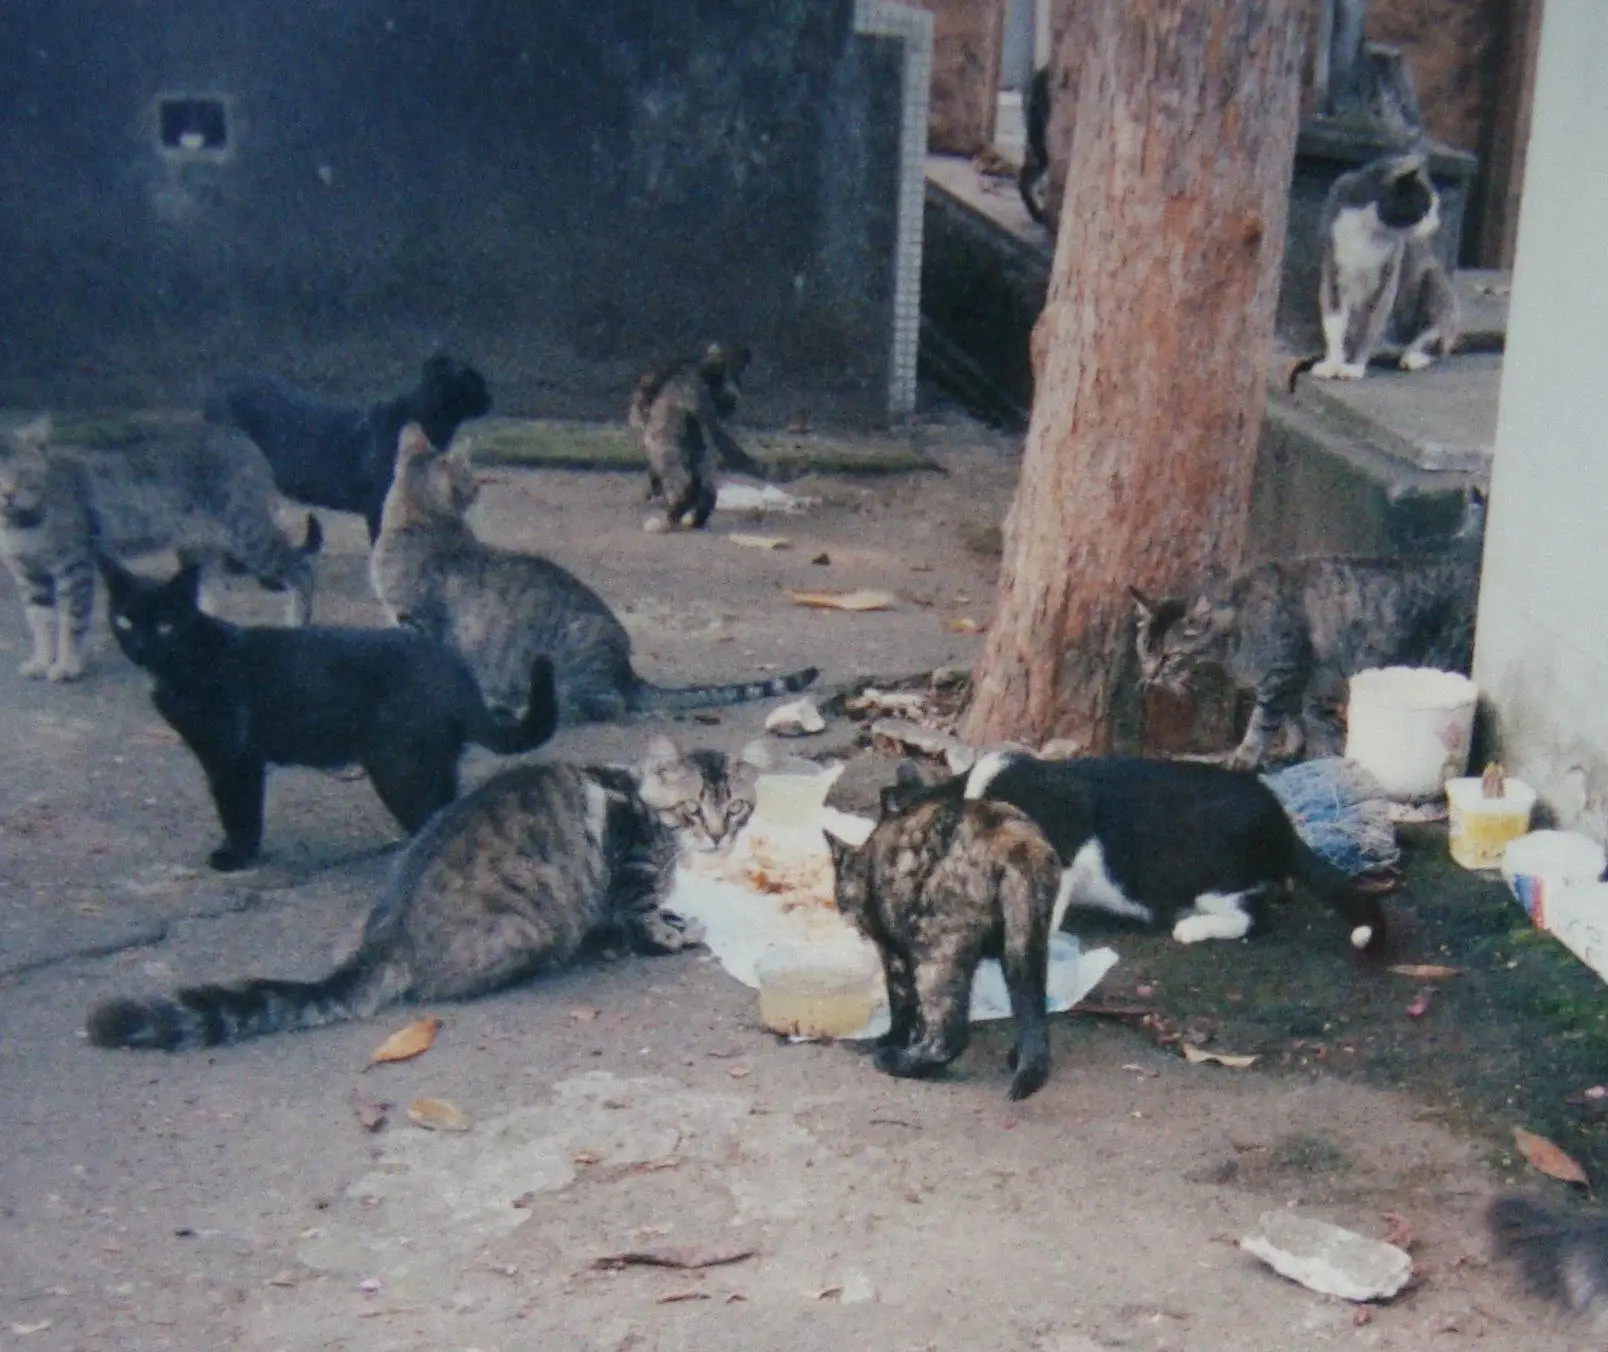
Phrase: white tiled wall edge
(878, 18)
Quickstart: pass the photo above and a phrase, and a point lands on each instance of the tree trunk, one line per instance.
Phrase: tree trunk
(1151, 355)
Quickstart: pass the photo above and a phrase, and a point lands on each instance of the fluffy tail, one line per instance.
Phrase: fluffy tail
(1561, 1260)
(649, 697)
(210, 1016)
(1338, 890)
(497, 731)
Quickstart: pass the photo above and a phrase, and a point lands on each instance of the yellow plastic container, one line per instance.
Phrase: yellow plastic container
(829, 991)
(1479, 829)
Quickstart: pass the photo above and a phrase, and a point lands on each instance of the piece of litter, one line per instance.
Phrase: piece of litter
(1197, 1056)
(371, 1285)
(1548, 1158)
(1419, 1007)
(1328, 1259)
(798, 718)
(760, 541)
(686, 1257)
(23, 1330)
(864, 598)
(1597, 1091)
(747, 498)
(437, 1115)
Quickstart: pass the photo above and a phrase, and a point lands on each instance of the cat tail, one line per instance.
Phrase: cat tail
(497, 731)
(1564, 1260)
(648, 697)
(211, 1016)
(734, 457)
(1342, 893)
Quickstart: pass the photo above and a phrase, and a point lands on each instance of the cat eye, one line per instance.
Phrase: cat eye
(122, 622)
(164, 628)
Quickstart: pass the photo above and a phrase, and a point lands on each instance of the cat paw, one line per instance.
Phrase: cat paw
(1415, 361)
(230, 859)
(1327, 370)
(64, 671)
(35, 668)
(1029, 1079)
(1352, 370)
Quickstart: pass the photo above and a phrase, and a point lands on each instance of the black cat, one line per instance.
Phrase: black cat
(1033, 179)
(337, 455)
(1197, 848)
(390, 700)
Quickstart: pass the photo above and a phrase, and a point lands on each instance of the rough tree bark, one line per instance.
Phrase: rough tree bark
(1151, 354)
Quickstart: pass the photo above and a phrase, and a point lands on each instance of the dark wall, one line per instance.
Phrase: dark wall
(557, 190)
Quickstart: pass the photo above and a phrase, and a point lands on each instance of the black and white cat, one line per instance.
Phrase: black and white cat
(1379, 262)
(1198, 848)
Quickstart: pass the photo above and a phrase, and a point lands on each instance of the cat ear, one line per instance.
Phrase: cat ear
(411, 442)
(660, 750)
(757, 754)
(841, 850)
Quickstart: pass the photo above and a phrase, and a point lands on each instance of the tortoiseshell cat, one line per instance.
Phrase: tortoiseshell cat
(205, 492)
(677, 411)
(508, 882)
(938, 888)
(1292, 630)
(242, 699)
(500, 608)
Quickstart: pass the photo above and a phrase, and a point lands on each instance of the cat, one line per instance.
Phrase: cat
(243, 699)
(500, 608)
(509, 881)
(1563, 1260)
(937, 889)
(1033, 179)
(1291, 630)
(1378, 261)
(340, 456)
(1197, 848)
(207, 493)
(676, 413)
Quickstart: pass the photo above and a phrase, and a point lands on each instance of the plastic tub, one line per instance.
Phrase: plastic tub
(827, 990)
(1540, 865)
(1411, 726)
(1479, 829)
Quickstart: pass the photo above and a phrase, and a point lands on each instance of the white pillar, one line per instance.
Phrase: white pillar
(1541, 657)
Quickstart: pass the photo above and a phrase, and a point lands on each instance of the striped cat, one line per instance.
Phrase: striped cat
(508, 882)
(500, 609)
(206, 492)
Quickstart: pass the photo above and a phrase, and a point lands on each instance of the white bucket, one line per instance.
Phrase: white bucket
(1411, 726)
(1540, 865)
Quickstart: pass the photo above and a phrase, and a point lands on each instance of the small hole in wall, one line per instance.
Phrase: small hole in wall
(188, 125)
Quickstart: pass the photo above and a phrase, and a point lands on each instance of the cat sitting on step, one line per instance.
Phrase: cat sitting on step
(243, 699)
(508, 882)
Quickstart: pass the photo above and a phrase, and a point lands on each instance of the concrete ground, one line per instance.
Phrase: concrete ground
(233, 1199)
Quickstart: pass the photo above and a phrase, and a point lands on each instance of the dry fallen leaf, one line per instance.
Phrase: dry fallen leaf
(1427, 971)
(1419, 1007)
(584, 1014)
(675, 1297)
(739, 1072)
(760, 541)
(963, 624)
(23, 1330)
(437, 1115)
(654, 1166)
(685, 1256)
(585, 1157)
(1548, 1158)
(1196, 1056)
(863, 599)
(406, 1043)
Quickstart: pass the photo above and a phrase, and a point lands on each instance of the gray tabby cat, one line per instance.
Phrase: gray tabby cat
(501, 609)
(207, 492)
(1379, 262)
(1292, 630)
(938, 888)
(1562, 1257)
(676, 412)
(508, 882)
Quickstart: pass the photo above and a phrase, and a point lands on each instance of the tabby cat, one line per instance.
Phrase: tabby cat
(676, 412)
(1379, 263)
(1292, 630)
(340, 455)
(206, 492)
(508, 882)
(500, 608)
(394, 702)
(937, 889)
(1196, 848)
(1563, 1259)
